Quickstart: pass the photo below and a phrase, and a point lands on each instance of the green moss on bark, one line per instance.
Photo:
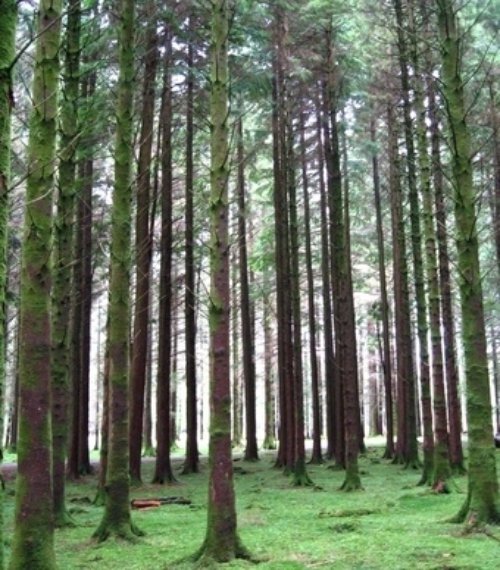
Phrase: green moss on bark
(481, 505)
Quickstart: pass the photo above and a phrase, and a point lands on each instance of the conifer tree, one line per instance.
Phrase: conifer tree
(33, 543)
(481, 504)
(117, 520)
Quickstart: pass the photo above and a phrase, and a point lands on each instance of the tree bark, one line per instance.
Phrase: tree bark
(143, 246)
(221, 543)
(116, 520)
(384, 307)
(481, 504)
(163, 468)
(63, 258)
(191, 460)
(33, 541)
(247, 337)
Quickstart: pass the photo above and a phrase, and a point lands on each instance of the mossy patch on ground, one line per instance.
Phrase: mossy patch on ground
(391, 524)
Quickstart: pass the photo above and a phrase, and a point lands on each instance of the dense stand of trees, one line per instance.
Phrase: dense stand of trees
(281, 196)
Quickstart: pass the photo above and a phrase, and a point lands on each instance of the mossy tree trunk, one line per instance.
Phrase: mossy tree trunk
(481, 504)
(63, 257)
(33, 542)
(117, 520)
(221, 541)
(269, 375)
(143, 247)
(8, 20)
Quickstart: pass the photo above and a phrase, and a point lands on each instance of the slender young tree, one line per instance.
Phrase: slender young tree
(481, 504)
(63, 256)
(8, 9)
(33, 542)
(117, 520)
(222, 543)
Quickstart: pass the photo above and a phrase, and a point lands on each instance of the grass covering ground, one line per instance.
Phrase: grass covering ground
(392, 524)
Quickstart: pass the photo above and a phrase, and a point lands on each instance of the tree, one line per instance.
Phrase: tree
(191, 461)
(63, 256)
(143, 247)
(8, 9)
(117, 520)
(163, 469)
(481, 504)
(33, 542)
(222, 543)
(251, 453)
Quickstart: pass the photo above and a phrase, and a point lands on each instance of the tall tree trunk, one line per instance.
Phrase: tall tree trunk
(100, 498)
(316, 451)
(481, 504)
(441, 463)
(406, 448)
(269, 376)
(8, 9)
(247, 337)
(416, 242)
(450, 356)
(300, 476)
(163, 469)
(63, 257)
(389, 451)
(191, 460)
(237, 400)
(496, 166)
(33, 541)
(221, 541)
(143, 246)
(117, 520)
(85, 307)
(326, 294)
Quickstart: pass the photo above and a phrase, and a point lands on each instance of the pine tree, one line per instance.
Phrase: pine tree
(117, 520)
(33, 543)
(481, 504)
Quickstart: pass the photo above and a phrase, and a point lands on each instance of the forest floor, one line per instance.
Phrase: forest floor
(392, 524)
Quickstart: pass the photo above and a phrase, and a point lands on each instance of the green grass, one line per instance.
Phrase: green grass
(392, 524)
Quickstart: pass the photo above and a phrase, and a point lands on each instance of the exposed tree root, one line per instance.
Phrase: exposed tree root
(63, 519)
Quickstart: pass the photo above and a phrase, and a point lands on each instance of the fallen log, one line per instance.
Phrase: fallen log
(158, 502)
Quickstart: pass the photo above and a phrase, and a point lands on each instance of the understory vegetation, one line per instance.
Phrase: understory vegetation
(391, 524)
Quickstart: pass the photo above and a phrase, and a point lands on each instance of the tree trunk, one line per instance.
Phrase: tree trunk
(33, 541)
(450, 357)
(221, 541)
(247, 337)
(163, 469)
(63, 257)
(481, 505)
(117, 520)
(143, 247)
(269, 377)
(326, 295)
(406, 449)
(8, 9)
(384, 307)
(441, 463)
(191, 460)
(418, 266)
(317, 456)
